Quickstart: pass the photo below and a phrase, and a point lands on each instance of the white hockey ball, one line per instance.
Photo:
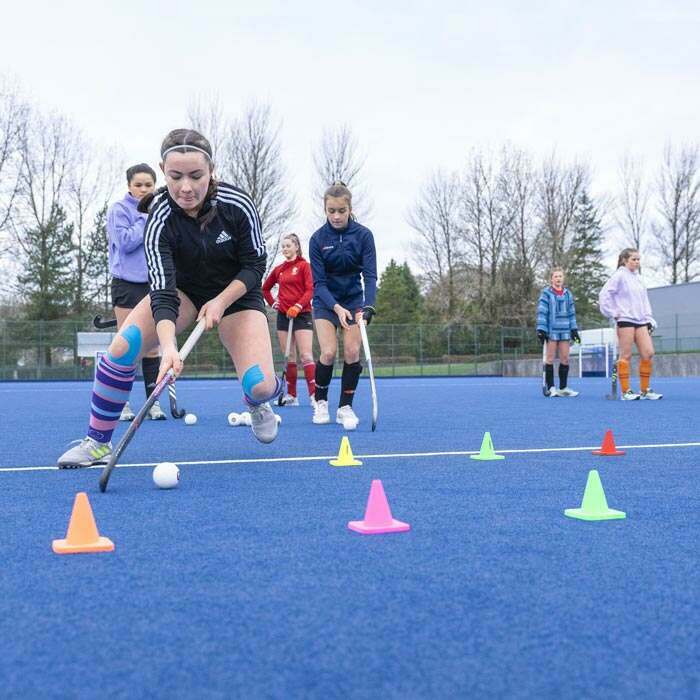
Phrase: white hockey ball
(166, 475)
(190, 419)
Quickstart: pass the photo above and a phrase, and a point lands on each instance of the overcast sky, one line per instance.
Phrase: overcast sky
(419, 83)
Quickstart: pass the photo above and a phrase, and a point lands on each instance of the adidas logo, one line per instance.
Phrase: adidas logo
(223, 237)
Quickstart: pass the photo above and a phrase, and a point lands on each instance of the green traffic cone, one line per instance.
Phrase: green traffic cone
(594, 505)
(487, 452)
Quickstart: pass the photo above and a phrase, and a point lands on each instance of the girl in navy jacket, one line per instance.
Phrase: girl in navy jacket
(343, 257)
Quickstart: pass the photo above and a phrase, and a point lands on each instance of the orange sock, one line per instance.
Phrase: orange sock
(623, 372)
(644, 374)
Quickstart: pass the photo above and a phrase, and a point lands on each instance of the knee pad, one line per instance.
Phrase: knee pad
(132, 336)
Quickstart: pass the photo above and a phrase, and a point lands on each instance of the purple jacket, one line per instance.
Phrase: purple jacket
(125, 226)
(624, 298)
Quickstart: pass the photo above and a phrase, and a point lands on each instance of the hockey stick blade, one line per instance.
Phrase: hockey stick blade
(174, 411)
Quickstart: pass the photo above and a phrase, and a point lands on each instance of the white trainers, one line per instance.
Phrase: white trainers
(86, 454)
(347, 418)
(629, 395)
(553, 393)
(127, 414)
(312, 401)
(321, 416)
(290, 400)
(651, 395)
(155, 412)
(567, 392)
(264, 422)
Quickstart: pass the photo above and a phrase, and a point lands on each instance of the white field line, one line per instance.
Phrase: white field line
(391, 455)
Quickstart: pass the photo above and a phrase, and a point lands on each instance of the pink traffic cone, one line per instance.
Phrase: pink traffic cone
(378, 518)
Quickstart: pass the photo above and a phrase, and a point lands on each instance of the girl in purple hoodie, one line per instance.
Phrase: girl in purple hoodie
(127, 265)
(624, 298)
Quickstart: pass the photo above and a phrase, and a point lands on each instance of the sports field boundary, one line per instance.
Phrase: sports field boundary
(388, 455)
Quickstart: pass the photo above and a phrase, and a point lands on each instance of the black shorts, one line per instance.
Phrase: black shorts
(302, 322)
(321, 312)
(630, 324)
(252, 300)
(127, 295)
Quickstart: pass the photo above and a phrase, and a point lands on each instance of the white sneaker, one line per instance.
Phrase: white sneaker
(553, 393)
(629, 395)
(127, 414)
(651, 395)
(321, 416)
(567, 392)
(347, 418)
(312, 401)
(86, 454)
(290, 400)
(155, 412)
(264, 422)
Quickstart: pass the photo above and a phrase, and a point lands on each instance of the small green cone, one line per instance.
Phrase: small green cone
(487, 452)
(594, 505)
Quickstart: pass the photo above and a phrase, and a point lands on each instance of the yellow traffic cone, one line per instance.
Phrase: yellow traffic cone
(345, 457)
(487, 452)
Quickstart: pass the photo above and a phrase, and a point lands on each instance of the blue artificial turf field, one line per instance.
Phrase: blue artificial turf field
(246, 582)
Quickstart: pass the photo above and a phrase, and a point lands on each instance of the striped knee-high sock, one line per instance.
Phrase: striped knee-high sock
(645, 367)
(110, 392)
(623, 372)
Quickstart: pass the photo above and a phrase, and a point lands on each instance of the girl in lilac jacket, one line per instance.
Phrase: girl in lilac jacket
(624, 299)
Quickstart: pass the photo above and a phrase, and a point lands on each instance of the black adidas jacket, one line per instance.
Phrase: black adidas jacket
(182, 255)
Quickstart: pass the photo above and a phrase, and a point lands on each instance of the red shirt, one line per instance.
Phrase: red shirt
(295, 285)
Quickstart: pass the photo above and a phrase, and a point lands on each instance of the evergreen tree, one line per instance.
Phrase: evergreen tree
(46, 281)
(96, 286)
(398, 297)
(585, 272)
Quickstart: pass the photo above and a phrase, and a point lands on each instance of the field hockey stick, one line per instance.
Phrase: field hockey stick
(99, 323)
(373, 386)
(288, 349)
(545, 390)
(612, 396)
(172, 394)
(157, 391)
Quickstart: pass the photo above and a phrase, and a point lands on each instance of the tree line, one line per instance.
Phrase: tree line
(484, 237)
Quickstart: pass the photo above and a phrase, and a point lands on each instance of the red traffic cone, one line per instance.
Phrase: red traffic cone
(608, 449)
(378, 518)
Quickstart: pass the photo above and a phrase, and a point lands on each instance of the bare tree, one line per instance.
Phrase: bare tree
(633, 202)
(207, 115)
(38, 223)
(439, 250)
(14, 113)
(679, 208)
(338, 157)
(251, 158)
(560, 187)
(90, 186)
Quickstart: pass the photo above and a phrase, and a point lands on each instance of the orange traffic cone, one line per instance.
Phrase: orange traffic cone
(608, 449)
(378, 517)
(82, 533)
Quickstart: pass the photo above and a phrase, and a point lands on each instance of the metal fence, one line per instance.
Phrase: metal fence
(36, 350)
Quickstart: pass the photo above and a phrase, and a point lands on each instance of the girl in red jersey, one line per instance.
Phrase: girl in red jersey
(295, 289)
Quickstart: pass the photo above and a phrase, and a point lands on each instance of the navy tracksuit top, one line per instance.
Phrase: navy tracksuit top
(338, 257)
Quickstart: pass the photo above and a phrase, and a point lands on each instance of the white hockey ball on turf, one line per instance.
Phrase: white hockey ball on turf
(190, 419)
(166, 475)
(235, 419)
